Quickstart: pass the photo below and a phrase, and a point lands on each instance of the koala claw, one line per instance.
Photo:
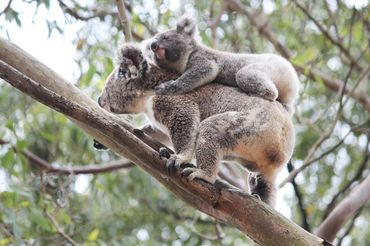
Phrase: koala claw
(143, 68)
(193, 172)
(174, 163)
(167, 88)
(164, 153)
(170, 165)
(256, 196)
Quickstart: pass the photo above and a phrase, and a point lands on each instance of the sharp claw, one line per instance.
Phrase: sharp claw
(164, 153)
(187, 165)
(170, 165)
(256, 196)
(143, 68)
(186, 172)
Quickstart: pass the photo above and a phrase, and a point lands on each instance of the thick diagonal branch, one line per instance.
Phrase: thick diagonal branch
(231, 206)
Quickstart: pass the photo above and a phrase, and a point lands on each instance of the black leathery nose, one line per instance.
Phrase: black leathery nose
(99, 101)
(154, 46)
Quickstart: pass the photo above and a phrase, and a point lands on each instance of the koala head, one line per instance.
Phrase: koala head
(171, 49)
(125, 91)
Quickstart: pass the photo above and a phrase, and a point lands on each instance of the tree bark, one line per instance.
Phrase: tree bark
(225, 203)
(344, 210)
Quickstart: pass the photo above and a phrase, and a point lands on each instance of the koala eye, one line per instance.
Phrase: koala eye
(121, 72)
(165, 37)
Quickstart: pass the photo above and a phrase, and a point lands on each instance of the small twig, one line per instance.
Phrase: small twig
(355, 178)
(219, 232)
(351, 28)
(7, 7)
(260, 22)
(299, 196)
(332, 18)
(206, 237)
(59, 228)
(46, 167)
(335, 42)
(6, 231)
(72, 12)
(124, 20)
(308, 159)
(350, 227)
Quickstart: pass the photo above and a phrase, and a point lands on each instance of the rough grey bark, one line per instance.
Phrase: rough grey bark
(225, 203)
(344, 210)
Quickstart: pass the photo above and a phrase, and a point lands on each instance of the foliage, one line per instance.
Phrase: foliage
(128, 207)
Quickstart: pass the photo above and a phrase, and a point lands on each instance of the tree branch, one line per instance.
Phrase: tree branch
(299, 196)
(124, 20)
(344, 210)
(356, 177)
(260, 22)
(59, 229)
(72, 12)
(88, 169)
(335, 42)
(226, 204)
(7, 7)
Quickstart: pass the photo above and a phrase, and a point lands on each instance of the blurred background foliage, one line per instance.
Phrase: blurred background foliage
(127, 206)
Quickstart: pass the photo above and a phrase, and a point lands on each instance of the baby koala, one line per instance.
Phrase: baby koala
(264, 75)
(211, 123)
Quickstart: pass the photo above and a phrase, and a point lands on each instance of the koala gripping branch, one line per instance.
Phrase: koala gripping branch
(231, 206)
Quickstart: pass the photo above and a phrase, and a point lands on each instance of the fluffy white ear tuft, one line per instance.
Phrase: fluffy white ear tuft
(186, 25)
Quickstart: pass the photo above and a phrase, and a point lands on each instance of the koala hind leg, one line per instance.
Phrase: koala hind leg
(254, 79)
(263, 185)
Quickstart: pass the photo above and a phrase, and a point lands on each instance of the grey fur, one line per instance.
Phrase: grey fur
(264, 75)
(212, 123)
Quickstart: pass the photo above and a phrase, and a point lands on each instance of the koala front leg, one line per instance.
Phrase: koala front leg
(156, 134)
(208, 151)
(200, 73)
(181, 117)
(254, 79)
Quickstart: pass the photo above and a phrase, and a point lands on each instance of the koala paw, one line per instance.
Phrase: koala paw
(271, 94)
(168, 88)
(127, 69)
(143, 68)
(256, 196)
(193, 172)
(175, 162)
(132, 53)
(164, 153)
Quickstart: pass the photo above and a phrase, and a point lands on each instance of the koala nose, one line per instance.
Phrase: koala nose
(99, 101)
(154, 45)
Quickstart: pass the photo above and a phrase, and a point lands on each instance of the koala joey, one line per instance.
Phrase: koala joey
(264, 75)
(210, 123)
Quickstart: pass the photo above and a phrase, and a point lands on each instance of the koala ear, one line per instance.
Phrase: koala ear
(186, 25)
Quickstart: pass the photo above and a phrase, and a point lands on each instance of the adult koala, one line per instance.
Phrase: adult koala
(212, 123)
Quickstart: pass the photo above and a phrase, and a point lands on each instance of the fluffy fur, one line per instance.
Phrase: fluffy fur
(212, 123)
(264, 75)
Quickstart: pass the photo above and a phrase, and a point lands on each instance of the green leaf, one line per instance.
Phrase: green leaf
(10, 125)
(38, 218)
(8, 159)
(306, 56)
(85, 80)
(93, 235)
(21, 144)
